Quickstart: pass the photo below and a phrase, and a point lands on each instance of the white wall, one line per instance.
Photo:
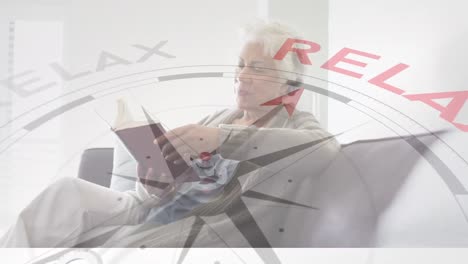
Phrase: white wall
(429, 36)
(33, 154)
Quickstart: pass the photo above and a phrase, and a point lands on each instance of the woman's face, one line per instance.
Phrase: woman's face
(256, 80)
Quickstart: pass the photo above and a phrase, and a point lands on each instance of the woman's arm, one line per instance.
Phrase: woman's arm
(242, 142)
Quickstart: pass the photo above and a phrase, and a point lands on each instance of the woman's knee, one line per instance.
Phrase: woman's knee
(48, 199)
(66, 184)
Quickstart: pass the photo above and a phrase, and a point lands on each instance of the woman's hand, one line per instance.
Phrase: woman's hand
(188, 141)
(154, 184)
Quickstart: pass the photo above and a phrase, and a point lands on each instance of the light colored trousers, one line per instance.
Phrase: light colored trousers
(71, 208)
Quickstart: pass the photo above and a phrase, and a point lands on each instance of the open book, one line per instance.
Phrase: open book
(138, 137)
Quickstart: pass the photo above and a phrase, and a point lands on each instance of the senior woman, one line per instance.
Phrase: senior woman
(71, 210)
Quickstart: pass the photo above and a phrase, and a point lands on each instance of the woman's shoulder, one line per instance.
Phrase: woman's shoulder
(303, 118)
(298, 114)
(219, 116)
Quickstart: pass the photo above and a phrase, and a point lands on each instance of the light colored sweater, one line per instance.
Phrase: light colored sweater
(241, 142)
(280, 132)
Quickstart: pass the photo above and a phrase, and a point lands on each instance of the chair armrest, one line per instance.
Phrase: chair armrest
(96, 166)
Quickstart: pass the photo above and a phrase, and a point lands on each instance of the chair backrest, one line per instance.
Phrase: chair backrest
(358, 187)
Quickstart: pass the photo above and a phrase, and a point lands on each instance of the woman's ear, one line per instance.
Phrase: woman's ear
(293, 85)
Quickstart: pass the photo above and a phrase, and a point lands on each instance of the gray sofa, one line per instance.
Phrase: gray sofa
(352, 193)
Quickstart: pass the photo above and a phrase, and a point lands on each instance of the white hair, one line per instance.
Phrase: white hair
(272, 36)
